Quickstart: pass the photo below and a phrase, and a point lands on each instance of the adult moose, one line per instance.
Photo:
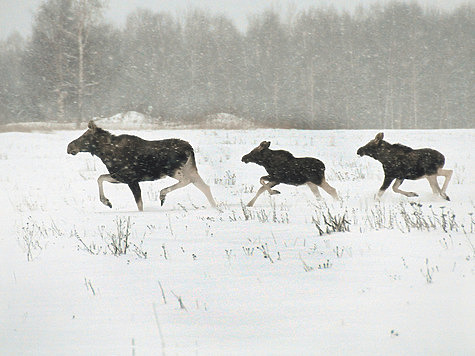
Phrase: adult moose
(284, 168)
(130, 160)
(401, 162)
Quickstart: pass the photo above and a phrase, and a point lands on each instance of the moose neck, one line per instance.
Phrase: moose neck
(272, 159)
(105, 148)
(266, 158)
(385, 153)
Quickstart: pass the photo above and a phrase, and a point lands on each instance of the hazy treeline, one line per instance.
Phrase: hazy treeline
(392, 66)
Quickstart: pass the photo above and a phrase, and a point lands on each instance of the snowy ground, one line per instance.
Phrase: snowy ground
(235, 281)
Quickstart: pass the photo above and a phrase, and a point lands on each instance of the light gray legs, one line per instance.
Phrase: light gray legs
(326, 187)
(314, 188)
(165, 191)
(105, 178)
(188, 174)
(396, 189)
(447, 173)
(134, 187)
(435, 185)
(329, 189)
(261, 190)
(201, 185)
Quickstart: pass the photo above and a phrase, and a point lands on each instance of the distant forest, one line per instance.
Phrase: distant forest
(392, 66)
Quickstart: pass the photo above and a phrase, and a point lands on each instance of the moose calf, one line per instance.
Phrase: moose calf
(283, 167)
(130, 160)
(401, 162)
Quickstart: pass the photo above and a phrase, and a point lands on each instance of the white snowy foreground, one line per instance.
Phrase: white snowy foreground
(235, 281)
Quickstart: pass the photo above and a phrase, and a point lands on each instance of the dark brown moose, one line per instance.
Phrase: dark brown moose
(284, 168)
(130, 160)
(401, 162)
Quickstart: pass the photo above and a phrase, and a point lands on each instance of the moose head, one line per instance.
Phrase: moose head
(373, 147)
(90, 140)
(257, 155)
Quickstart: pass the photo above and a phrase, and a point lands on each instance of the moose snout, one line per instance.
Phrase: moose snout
(360, 152)
(72, 150)
(245, 159)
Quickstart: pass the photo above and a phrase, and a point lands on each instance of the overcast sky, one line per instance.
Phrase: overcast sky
(18, 14)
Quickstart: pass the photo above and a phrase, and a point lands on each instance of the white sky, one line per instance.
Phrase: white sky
(17, 15)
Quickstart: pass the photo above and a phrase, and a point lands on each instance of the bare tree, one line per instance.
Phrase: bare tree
(87, 13)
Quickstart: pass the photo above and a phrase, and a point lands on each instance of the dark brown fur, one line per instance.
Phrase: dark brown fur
(130, 160)
(283, 167)
(401, 162)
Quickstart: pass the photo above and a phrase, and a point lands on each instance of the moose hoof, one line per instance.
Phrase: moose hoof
(445, 196)
(162, 200)
(273, 192)
(106, 202)
(412, 194)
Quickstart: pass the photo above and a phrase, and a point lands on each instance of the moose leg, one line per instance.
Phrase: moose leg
(447, 173)
(201, 185)
(135, 188)
(329, 189)
(260, 191)
(314, 188)
(386, 183)
(263, 180)
(396, 189)
(435, 186)
(165, 191)
(105, 178)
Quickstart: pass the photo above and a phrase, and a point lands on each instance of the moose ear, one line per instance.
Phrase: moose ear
(264, 144)
(379, 137)
(92, 125)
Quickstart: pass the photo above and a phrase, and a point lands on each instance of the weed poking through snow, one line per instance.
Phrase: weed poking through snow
(327, 223)
(117, 242)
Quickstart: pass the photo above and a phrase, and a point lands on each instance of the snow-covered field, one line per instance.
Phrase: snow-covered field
(235, 281)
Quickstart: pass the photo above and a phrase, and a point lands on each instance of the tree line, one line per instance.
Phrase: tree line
(391, 66)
